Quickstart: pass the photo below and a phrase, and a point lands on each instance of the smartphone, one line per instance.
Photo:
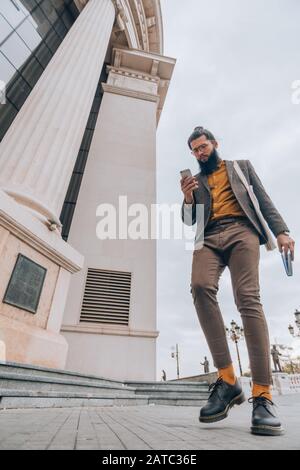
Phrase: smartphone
(186, 172)
(287, 262)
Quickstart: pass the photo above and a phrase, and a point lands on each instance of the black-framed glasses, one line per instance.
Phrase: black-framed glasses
(201, 148)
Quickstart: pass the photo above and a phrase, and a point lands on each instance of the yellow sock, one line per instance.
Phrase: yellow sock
(227, 374)
(259, 389)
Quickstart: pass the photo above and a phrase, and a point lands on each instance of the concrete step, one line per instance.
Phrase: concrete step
(21, 381)
(183, 401)
(48, 372)
(202, 394)
(53, 399)
(174, 388)
(160, 386)
(32, 386)
(170, 393)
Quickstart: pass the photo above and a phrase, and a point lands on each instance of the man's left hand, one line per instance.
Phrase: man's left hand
(286, 243)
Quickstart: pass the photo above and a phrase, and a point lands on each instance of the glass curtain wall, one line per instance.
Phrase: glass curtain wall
(30, 33)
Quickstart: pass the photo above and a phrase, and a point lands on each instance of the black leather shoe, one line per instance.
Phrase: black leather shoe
(264, 419)
(223, 396)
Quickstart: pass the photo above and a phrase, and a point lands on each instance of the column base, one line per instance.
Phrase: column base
(32, 335)
(31, 345)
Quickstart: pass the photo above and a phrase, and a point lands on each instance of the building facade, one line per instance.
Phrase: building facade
(85, 85)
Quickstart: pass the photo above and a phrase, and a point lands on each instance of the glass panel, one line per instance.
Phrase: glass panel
(86, 141)
(5, 29)
(32, 71)
(67, 19)
(59, 5)
(67, 212)
(40, 22)
(43, 54)
(7, 114)
(18, 92)
(92, 121)
(21, 5)
(7, 71)
(29, 35)
(52, 41)
(73, 190)
(29, 4)
(12, 11)
(26, 52)
(73, 10)
(81, 161)
(49, 11)
(60, 28)
(16, 50)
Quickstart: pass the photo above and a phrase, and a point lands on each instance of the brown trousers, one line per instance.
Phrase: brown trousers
(235, 245)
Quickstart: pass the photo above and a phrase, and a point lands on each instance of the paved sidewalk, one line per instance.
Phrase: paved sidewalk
(143, 427)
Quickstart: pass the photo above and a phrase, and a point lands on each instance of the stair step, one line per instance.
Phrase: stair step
(27, 386)
(173, 385)
(56, 393)
(12, 380)
(157, 400)
(38, 399)
(172, 389)
(169, 393)
(33, 370)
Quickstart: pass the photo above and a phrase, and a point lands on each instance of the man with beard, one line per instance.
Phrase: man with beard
(232, 237)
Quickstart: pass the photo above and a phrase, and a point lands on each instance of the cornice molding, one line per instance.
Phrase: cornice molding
(148, 15)
(142, 23)
(130, 93)
(117, 330)
(147, 66)
(129, 73)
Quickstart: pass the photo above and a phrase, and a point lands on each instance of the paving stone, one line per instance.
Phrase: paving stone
(146, 427)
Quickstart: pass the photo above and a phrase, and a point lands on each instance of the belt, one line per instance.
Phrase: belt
(224, 221)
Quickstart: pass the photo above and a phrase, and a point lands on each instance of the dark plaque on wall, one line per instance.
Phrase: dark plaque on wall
(25, 284)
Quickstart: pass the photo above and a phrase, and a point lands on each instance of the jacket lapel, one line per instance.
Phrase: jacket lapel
(229, 168)
(203, 178)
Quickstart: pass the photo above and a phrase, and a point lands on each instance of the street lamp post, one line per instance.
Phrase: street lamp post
(176, 355)
(235, 333)
(297, 321)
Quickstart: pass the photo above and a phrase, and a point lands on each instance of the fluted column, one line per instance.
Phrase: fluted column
(38, 153)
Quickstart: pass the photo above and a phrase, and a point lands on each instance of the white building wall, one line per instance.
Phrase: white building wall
(121, 161)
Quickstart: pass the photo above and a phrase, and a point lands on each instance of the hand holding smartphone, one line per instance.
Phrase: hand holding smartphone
(188, 184)
(186, 172)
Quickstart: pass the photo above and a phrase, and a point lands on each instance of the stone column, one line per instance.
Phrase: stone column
(37, 157)
(38, 153)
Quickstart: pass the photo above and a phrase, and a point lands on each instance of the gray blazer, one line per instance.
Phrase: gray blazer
(202, 195)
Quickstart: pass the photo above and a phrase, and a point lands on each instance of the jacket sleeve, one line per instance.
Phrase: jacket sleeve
(268, 210)
(188, 213)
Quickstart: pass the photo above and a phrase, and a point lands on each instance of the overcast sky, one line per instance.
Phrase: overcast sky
(236, 62)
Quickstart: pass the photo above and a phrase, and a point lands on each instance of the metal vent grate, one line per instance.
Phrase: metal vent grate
(106, 297)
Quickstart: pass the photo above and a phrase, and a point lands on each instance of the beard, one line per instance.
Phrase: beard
(211, 164)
